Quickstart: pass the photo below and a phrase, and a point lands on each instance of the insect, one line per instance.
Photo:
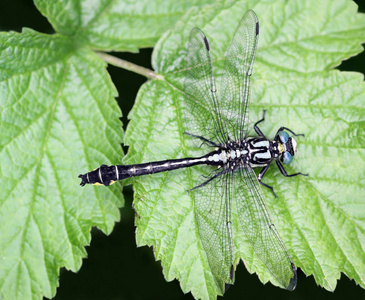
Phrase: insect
(223, 118)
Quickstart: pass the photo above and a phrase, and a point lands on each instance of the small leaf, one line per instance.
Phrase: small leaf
(318, 216)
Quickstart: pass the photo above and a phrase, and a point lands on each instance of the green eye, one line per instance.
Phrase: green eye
(286, 158)
(284, 137)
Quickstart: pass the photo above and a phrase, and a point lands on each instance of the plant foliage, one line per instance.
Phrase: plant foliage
(59, 118)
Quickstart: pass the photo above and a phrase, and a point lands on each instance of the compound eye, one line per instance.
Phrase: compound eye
(286, 158)
(283, 136)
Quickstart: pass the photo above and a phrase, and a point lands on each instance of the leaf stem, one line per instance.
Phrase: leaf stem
(115, 61)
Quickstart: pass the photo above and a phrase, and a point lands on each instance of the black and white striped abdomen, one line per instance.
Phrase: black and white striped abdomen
(107, 175)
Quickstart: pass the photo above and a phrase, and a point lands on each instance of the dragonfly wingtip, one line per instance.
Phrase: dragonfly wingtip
(293, 281)
(227, 286)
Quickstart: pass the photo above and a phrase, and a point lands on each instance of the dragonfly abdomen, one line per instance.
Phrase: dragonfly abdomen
(107, 175)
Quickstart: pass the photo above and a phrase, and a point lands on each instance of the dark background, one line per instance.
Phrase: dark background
(115, 267)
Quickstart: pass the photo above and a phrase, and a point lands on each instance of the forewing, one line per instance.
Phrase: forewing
(213, 217)
(201, 99)
(236, 78)
(256, 223)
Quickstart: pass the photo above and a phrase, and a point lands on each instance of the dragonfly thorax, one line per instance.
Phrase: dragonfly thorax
(255, 151)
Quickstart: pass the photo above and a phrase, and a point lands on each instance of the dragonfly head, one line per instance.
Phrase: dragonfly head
(289, 147)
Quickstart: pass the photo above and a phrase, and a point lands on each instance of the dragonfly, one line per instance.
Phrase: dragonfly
(223, 116)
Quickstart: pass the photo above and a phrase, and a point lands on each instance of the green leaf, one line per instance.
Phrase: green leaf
(115, 25)
(320, 217)
(57, 112)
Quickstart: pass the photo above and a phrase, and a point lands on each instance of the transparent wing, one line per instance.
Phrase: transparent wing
(236, 79)
(215, 117)
(201, 99)
(213, 214)
(256, 223)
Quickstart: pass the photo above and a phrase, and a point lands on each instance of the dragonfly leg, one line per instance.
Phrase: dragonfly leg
(257, 129)
(282, 170)
(269, 187)
(210, 143)
(207, 181)
(261, 175)
(292, 132)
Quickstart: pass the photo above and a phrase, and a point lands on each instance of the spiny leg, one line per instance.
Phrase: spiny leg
(261, 175)
(282, 170)
(292, 132)
(209, 180)
(210, 143)
(258, 131)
